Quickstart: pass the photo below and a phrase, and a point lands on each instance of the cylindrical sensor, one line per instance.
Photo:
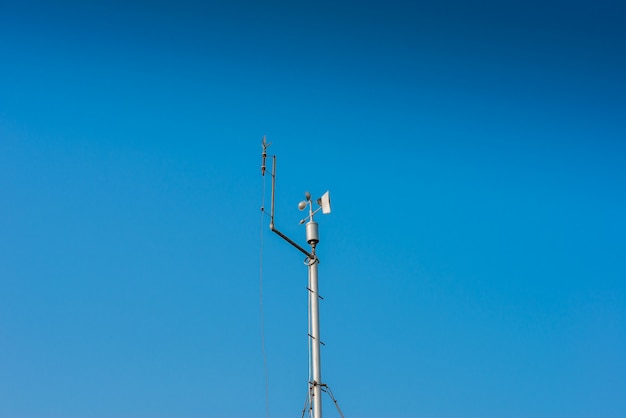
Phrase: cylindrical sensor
(312, 235)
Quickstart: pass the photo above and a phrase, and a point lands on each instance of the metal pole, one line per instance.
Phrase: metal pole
(315, 337)
(312, 238)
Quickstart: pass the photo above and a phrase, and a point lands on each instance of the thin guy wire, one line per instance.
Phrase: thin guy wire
(330, 393)
(306, 404)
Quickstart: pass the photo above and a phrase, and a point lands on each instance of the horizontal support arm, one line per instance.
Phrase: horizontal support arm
(292, 242)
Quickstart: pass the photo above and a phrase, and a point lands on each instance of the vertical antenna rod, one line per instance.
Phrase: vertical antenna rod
(265, 146)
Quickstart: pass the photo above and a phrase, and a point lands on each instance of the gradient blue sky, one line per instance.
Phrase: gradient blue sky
(474, 262)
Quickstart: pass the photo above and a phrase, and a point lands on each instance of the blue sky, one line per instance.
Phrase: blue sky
(473, 264)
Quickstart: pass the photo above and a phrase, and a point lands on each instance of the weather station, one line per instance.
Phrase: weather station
(316, 385)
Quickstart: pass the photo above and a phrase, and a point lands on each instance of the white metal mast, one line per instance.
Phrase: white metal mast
(312, 238)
